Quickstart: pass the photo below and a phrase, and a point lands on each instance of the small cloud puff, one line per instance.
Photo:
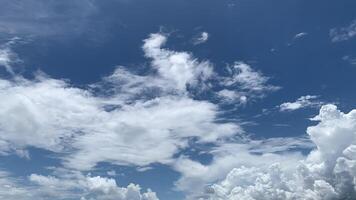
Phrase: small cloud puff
(202, 38)
(300, 35)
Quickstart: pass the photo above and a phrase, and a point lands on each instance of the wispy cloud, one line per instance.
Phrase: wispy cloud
(300, 35)
(45, 18)
(201, 38)
(244, 83)
(301, 102)
(7, 56)
(344, 33)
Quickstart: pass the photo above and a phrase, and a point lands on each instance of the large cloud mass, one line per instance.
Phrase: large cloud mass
(147, 118)
(328, 172)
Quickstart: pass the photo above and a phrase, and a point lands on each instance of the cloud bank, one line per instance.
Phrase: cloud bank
(69, 185)
(328, 172)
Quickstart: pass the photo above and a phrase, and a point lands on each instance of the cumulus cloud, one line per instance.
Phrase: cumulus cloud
(180, 67)
(301, 102)
(196, 177)
(69, 185)
(328, 172)
(344, 33)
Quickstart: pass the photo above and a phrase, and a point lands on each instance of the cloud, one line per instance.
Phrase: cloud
(147, 117)
(231, 96)
(69, 185)
(300, 35)
(344, 33)
(52, 114)
(327, 172)
(196, 177)
(244, 83)
(41, 18)
(202, 38)
(179, 67)
(301, 102)
(8, 56)
(350, 59)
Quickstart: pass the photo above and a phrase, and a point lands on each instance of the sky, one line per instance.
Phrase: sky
(177, 100)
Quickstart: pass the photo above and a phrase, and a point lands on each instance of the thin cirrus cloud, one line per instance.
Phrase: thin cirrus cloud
(41, 18)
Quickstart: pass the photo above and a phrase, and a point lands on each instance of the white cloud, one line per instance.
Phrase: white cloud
(7, 56)
(300, 35)
(328, 172)
(51, 114)
(69, 185)
(132, 119)
(179, 67)
(344, 33)
(231, 96)
(301, 102)
(243, 76)
(244, 83)
(227, 156)
(202, 38)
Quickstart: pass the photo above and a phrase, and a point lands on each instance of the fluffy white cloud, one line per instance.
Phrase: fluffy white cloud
(227, 156)
(301, 102)
(328, 172)
(69, 185)
(179, 67)
(344, 33)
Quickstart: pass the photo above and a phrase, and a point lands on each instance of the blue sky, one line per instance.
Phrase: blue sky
(179, 99)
